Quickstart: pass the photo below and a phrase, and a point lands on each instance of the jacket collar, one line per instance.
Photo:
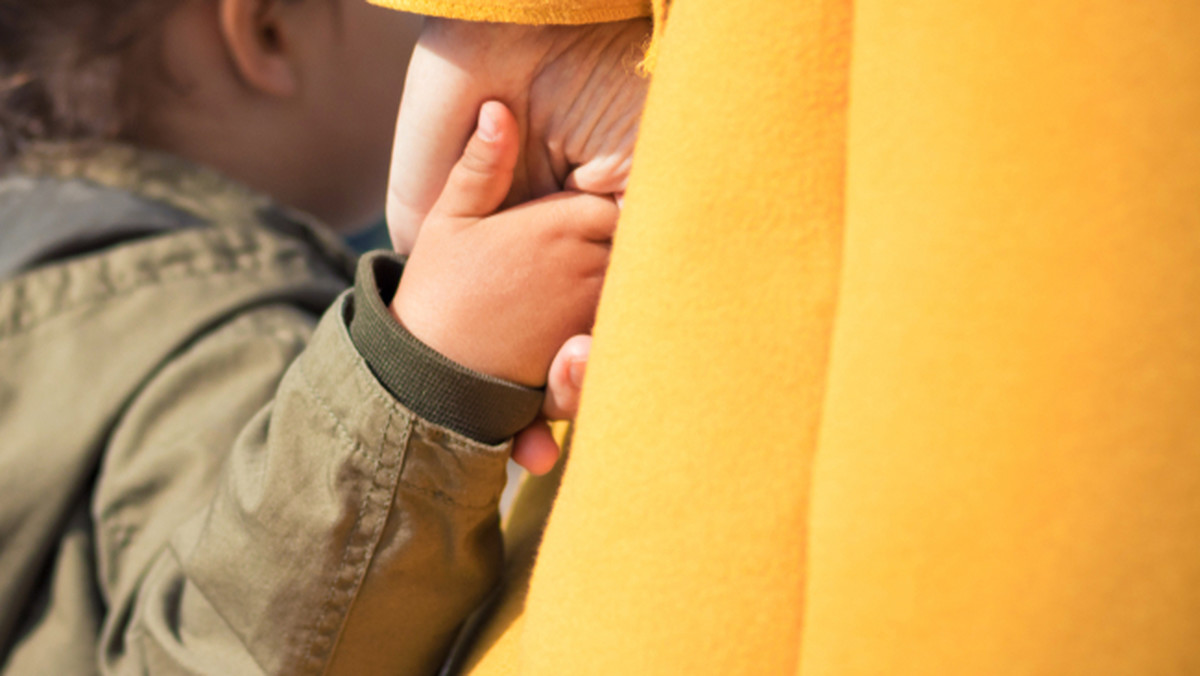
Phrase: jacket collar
(153, 191)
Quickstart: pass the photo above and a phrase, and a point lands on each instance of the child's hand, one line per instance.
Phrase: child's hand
(501, 292)
(535, 448)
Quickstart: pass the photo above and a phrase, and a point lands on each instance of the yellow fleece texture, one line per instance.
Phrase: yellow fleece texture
(1008, 479)
(907, 385)
(677, 542)
(534, 12)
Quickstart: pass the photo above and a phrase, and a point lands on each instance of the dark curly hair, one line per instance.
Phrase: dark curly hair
(60, 63)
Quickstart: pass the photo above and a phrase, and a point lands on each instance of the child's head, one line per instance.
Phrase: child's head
(296, 98)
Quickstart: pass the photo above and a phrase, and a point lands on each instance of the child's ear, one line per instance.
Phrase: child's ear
(259, 46)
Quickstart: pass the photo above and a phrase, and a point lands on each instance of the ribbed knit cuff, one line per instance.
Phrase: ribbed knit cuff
(476, 405)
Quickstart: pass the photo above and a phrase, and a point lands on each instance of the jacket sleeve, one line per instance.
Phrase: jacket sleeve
(534, 12)
(335, 532)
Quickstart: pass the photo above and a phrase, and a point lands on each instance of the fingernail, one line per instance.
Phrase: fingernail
(489, 127)
(578, 366)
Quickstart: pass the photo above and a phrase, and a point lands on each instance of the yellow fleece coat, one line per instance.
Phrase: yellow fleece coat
(917, 390)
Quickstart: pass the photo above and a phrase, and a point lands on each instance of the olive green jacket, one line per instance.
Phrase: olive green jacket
(214, 459)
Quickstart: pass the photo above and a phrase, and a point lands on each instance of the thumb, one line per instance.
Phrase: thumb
(480, 180)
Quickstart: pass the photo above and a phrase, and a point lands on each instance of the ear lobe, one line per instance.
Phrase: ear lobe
(254, 37)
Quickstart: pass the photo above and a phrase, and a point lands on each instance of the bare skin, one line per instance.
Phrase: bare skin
(530, 274)
(574, 90)
(577, 98)
(295, 99)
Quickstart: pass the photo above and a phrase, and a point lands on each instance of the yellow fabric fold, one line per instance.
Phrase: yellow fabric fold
(1008, 479)
(533, 12)
(660, 24)
(1000, 431)
(677, 542)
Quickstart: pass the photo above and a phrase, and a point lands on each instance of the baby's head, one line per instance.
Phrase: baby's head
(296, 98)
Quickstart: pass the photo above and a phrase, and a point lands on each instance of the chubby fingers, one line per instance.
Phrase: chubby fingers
(535, 449)
(584, 216)
(564, 383)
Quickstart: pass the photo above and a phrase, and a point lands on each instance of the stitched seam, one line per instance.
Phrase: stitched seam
(257, 265)
(111, 294)
(358, 555)
(328, 625)
(385, 493)
(356, 450)
(313, 661)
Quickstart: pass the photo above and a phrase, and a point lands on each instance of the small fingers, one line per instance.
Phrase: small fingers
(534, 448)
(565, 380)
(590, 217)
(599, 177)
